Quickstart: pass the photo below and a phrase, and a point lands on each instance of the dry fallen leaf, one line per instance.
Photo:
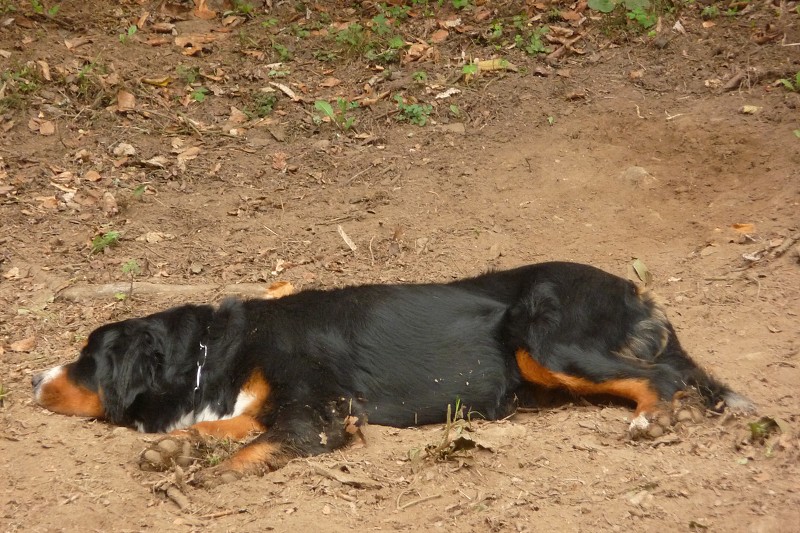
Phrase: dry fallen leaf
(92, 175)
(125, 101)
(110, 206)
(417, 52)
(286, 90)
(202, 11)
(158, 82)
(279, 289)
(187, 155)
(346, 238)
(439, 36)
(45, 70)
(47, 202)
(279, 160)
(744, 228)
(192, 43)
(72, 44)
(47, 128)
(13, 273)
(330, 82)
(489, 65)
(23, 345)
(642, 272)
(237, 116)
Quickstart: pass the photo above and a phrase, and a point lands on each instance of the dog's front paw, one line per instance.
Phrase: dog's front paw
(686, 408)
(215, 476)
(167, 453)
(650, 426)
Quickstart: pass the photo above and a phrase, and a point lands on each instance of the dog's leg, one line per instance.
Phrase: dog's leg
(633, 386)
(235, 428)
(297, 430)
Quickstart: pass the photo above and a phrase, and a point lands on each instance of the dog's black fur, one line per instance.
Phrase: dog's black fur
(394, 354)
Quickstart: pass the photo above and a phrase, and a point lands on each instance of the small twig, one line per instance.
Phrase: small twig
(174, 494)
(357, 174)
(371, 255)
(415, 502)
(787, 243)
(84, 292)
(346, 479)
(220, 514)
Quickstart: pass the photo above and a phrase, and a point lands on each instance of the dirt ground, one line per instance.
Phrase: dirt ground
(674, 146)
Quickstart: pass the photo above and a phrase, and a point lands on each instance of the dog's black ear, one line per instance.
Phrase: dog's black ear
(134, 370)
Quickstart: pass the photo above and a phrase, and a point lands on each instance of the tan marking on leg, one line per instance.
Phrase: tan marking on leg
(637, 390)
(279, 289)
(255, 457)
(62, 396)
(257, 387)
(235, 428)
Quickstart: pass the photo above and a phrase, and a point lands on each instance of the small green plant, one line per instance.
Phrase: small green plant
(603, 6)
(24, 80)
(129, 33)
(240, 7)
(298, 31)
(455, 443)
(551, 120)
(282, 51)
(460, 4)
(645, 19)
(390, 54)
(495, 31)
(326, 56)
(534, 44)
(269, 23)
(455, 111)
(380, 25)
(39, 8)
(470, 69)
(419, 76)
(189, 75)
(353, 38)
(131, 269)
(199, 94)
(399, 12)
(263, 104)
(416, 114)
(639, 11)
(791, 85)
(138, 192)
(796, 133)
(338, 115)
(101, 242)
(710, 12)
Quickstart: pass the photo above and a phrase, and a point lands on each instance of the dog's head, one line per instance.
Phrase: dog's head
(127, 368)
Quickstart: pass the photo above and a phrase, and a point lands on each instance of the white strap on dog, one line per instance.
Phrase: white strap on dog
(200, 366)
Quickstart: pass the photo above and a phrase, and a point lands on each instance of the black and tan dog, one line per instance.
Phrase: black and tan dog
(297, 370)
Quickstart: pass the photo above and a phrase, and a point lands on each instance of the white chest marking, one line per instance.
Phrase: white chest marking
(243, 401)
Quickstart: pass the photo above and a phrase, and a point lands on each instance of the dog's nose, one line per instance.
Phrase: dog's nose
(37, 379)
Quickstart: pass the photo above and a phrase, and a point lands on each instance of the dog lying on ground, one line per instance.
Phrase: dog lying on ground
(302, 371)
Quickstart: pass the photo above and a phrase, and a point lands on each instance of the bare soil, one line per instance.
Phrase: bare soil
(624, 146)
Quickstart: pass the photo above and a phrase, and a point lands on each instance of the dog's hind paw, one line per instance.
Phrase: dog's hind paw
(738, 404)
(686, 408)
(167, 453)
